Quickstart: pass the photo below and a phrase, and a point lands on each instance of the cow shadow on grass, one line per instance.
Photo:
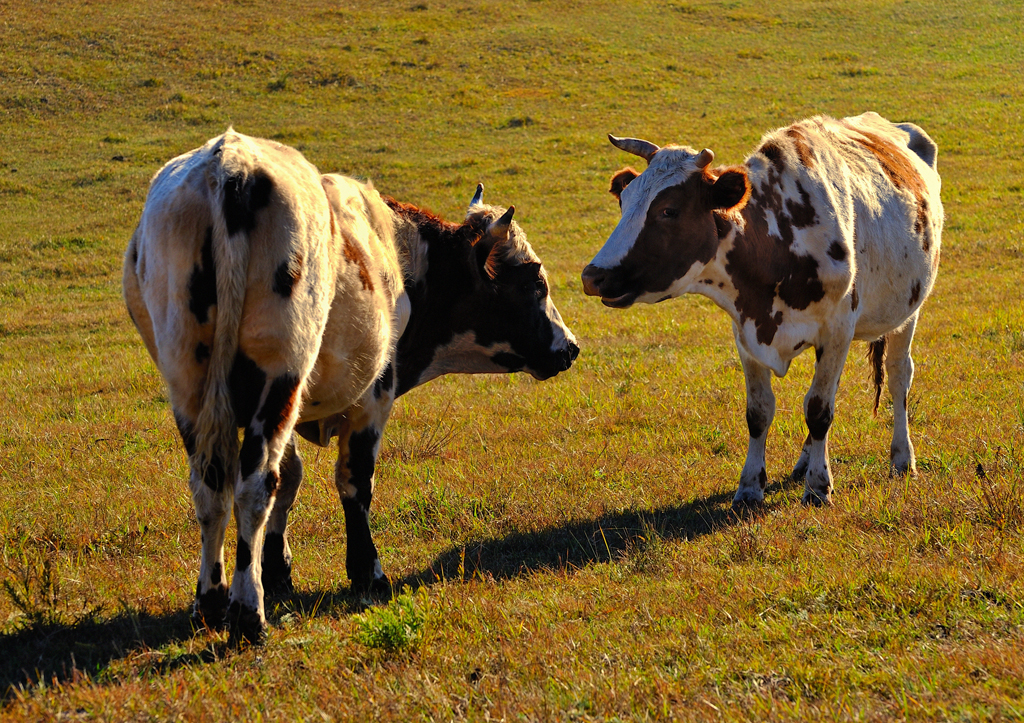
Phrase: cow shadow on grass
(50, 647)
(581, 543)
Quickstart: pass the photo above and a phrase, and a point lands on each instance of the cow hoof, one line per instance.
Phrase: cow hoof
(800, 470)
(748, 501)
(246, 625)
(817, 498)
(378, 587)
(210, 608)
(902, 469)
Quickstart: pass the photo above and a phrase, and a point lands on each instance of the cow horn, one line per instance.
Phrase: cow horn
(644, 149)
(478, 197)
(704, 158)
(500, 227)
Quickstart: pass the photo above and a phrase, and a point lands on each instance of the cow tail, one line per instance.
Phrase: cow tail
(876, 356)
(231, 176)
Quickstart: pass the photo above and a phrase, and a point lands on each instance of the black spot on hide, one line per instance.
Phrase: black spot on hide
(285, 278)
(280, 401)
(188, 436)
(251, 455)
(272, 482)
(243, 197)
(202, 285)
(243, 556)
(385, 381)
(245, 382)
(819, 418)
(215, 476)
(755, 422)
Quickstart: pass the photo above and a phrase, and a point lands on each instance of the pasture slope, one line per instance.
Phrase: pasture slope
(572, 541)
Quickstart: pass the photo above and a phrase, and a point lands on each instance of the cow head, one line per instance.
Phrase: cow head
(513, 320)
(668, 230)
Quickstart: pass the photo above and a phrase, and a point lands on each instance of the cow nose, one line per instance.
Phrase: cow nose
(567, 356)
(593, 277)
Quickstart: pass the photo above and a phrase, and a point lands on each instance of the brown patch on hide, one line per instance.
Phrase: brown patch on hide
(899, 169)
(803, 148)
(773, 152)
(915, 292)
(802, 214)
(762, 265)
(354, 255)
(921, 226)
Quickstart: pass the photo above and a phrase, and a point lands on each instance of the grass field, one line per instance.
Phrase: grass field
(568, 546)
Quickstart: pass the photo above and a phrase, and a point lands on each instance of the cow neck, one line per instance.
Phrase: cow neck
(715, 281)
(439, 273)
(744, 258)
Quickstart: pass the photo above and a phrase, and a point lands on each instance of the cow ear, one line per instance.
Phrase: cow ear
(620, 180)
(731, 189)
(489, 246)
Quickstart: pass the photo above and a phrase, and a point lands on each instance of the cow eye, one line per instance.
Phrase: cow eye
(670, 213)
(541, 288)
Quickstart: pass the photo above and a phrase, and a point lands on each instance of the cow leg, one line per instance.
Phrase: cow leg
(900, 368)
(277, 554)
(358, 447)
(819, 409)
(211, 496)
(800, 468)
(266, 438)
(213, 510)
(760, 413)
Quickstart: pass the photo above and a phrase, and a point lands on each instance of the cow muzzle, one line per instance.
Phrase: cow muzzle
(559, 361)
(593, 277)
(595, 280)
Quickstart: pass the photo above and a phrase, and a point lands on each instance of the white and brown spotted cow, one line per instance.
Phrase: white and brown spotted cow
(829, 232)
(276, 299)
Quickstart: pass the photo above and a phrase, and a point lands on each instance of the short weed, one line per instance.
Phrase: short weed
(394, 628)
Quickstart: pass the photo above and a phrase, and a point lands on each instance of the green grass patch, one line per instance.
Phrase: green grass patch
(393, 628)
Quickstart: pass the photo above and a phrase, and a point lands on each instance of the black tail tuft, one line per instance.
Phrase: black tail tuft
(876, 355)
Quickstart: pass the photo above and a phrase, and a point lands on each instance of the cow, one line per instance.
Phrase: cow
(828, 232)
(278, 300)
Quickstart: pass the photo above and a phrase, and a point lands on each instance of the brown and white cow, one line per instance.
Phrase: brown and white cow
(274, 299)
(829, 232)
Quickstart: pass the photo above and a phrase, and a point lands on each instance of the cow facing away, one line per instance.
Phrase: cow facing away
(829, 232)
(274, 299)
